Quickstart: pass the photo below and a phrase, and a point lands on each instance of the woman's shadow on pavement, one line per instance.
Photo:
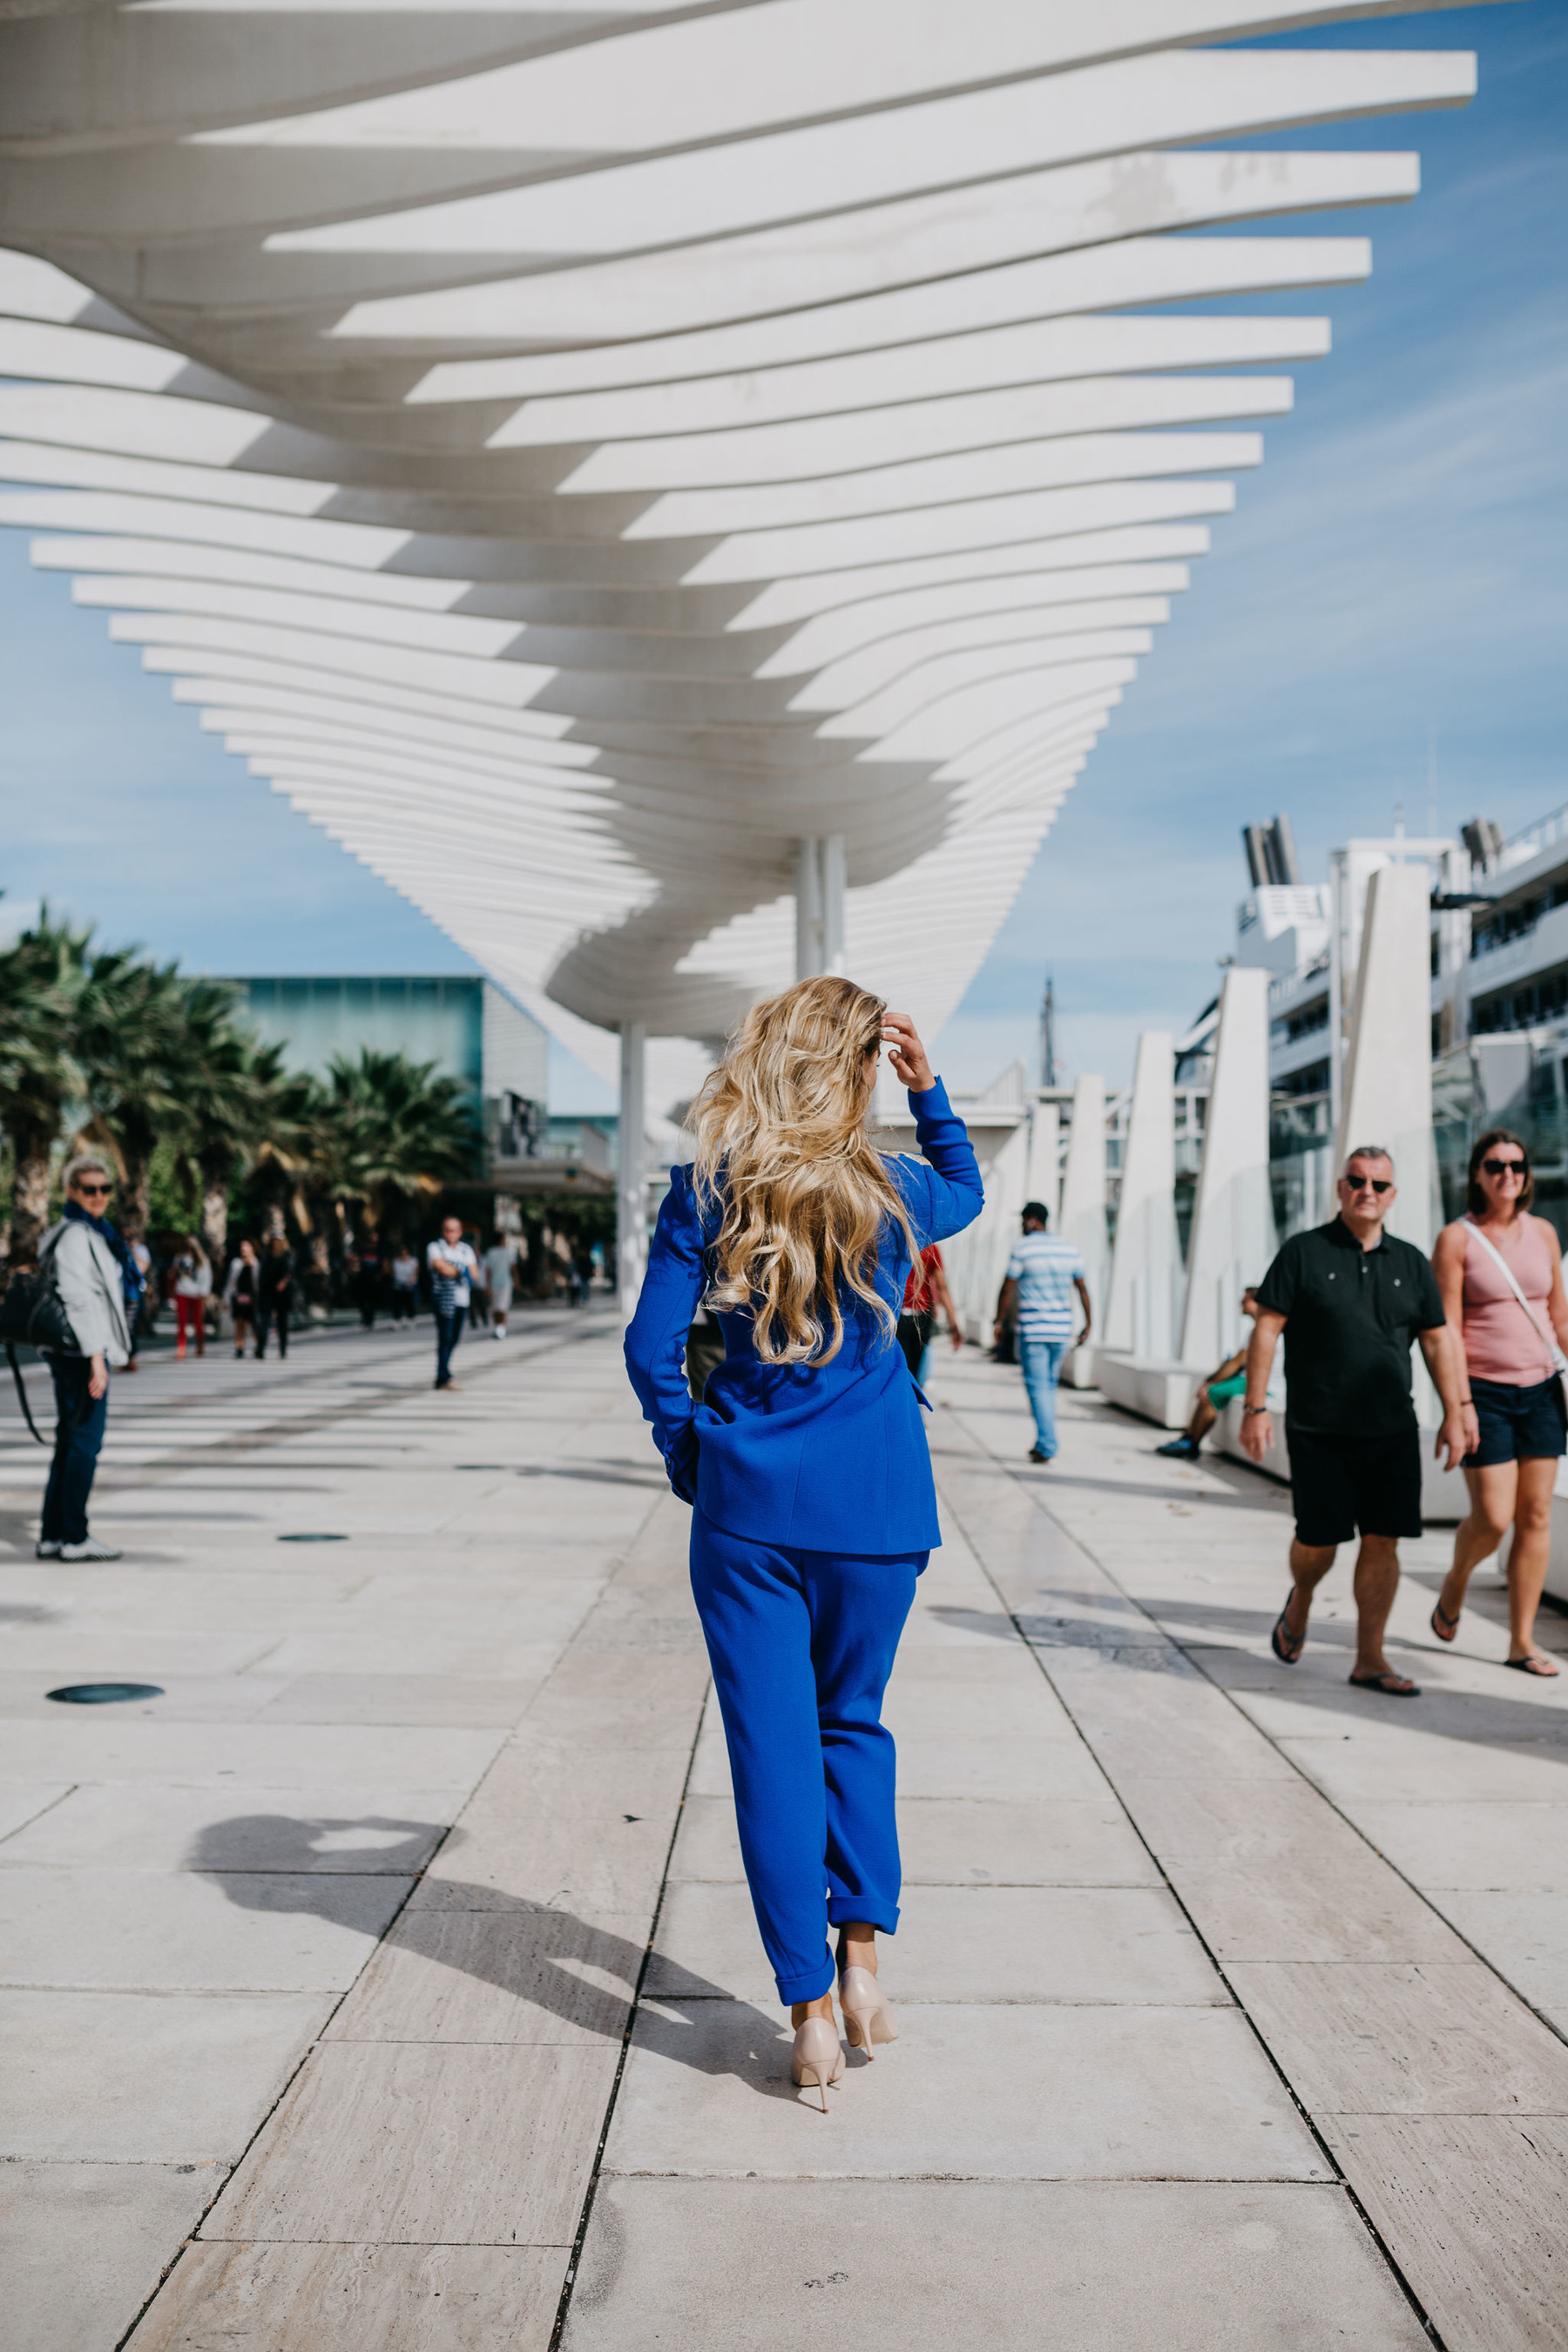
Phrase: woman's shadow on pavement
(496, 1955)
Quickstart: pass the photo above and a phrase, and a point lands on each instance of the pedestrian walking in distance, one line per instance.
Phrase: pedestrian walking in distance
(368, 1275)
(806, 1463)
(1224, 1383)
(97, 1282)
(454, 1269)
(405, 1284)
(1043, 1272)
(1501, 1272)
(241, 1291)
(497, 1282)
(1350, 1299)
(924, 1292)
(193, 1288)
(275, 1295)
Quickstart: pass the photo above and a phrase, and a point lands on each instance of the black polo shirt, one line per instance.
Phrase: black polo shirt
(1351, 1317)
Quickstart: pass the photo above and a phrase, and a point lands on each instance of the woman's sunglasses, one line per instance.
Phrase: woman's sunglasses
(98, 1192)
(1504, 1167)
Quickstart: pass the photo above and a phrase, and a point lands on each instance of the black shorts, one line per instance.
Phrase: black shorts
(1340, 1485)
(1517, 1425)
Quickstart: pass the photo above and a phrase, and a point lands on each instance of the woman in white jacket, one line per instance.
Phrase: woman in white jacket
(88, 1259)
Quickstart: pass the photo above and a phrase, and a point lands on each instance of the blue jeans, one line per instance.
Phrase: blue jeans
(79, 1422)
(1042, 1363)
(449, 1322)
(802, 1643)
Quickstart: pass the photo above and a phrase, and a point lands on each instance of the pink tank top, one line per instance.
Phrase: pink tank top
(1502, 1341)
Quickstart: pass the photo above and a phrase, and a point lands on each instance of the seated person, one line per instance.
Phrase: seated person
(1228, 1380)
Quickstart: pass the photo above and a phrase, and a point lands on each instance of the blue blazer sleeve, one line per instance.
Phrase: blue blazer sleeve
(656, 1336)
(943, 1192)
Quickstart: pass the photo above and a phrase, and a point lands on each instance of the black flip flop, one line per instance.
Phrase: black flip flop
(1281, 1637)
(1391, 1685)
(1530, 1665)
(1451, 1623)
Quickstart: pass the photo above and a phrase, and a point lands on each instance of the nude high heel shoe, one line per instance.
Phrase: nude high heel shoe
(819, 2056)
(866, 2017)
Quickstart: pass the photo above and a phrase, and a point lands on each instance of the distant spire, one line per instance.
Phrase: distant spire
(1048, 1034)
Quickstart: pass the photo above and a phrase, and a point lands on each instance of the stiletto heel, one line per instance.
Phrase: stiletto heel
(866, 2017)
(819, 2056)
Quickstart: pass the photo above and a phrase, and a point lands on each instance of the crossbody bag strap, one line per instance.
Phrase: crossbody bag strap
(1559, 1362)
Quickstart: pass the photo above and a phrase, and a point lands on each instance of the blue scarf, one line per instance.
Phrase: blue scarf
(131, 1280)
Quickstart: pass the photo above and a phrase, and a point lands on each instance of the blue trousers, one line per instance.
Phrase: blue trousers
(1042, 1362)
(79, 1420)
(448, 1332)
(802, 1643)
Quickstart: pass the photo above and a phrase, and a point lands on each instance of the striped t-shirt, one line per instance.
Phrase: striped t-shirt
(1045, 1268)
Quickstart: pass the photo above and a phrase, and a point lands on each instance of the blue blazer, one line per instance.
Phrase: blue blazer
(826, 1457)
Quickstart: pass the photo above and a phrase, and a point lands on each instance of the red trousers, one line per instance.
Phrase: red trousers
(190, 1314)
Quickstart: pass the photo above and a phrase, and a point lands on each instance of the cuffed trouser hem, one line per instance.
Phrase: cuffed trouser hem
(883, 1917)
(807, 1988)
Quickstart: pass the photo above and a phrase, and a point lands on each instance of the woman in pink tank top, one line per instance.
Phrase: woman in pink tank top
(1506, 1344)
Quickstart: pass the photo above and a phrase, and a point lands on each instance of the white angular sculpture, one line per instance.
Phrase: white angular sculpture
(1042, 1179)
(1232, 1238)
(1387, 1094)
(576, 455)
(1146, 1263)
(1081, 1220)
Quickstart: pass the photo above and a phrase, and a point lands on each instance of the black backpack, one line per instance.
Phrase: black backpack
(33, 1313)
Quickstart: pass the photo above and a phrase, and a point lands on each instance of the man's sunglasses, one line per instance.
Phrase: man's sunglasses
(1370, 1184)
(1504, 1167)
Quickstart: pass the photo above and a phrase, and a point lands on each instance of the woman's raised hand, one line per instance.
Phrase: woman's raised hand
(905, 1053)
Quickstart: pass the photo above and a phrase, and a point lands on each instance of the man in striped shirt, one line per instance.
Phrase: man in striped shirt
(1042, 1275)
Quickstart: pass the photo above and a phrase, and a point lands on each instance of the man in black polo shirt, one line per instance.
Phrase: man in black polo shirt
(1350, 1298)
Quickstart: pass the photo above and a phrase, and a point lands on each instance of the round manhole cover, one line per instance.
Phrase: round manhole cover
(312, 1538)
(104, 1694)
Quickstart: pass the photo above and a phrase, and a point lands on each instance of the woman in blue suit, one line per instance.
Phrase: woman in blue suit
(806, 1463)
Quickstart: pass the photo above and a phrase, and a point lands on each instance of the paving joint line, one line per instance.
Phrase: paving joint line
(1339, 2180)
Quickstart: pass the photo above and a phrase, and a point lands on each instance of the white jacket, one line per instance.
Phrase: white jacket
(86, 1272)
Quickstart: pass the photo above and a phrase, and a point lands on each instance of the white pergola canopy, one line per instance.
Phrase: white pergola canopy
(578, 454)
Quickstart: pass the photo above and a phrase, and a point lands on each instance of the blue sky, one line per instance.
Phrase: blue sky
(1394, 578)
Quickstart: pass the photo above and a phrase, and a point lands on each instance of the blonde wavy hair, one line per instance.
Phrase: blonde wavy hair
(782, 1149)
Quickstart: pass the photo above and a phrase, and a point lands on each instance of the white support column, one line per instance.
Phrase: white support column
(1233, 1213)
(819, 883)
(1146, 1263)
(631, 1190)
(1082, 1217)
(833, 874)
(807, 910)
(1388, 1075)
(1043, 1180)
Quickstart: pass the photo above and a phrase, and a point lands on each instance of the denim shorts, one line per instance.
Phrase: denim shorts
(1517, 1425)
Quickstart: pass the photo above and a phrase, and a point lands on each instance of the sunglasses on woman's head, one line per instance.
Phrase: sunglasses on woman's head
(1503, 1167)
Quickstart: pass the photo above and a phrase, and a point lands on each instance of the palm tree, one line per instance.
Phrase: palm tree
(394, 1130)
(132, 1042)
(40, 988)
(228, 1087)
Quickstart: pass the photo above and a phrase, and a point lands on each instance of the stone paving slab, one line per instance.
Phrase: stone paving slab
(74, 2235)
(300, 2298)
(174, 1931)
(974, 1944)
(768, 2266)
(145, 2077)
(1133, 2093)
(423, 2143)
